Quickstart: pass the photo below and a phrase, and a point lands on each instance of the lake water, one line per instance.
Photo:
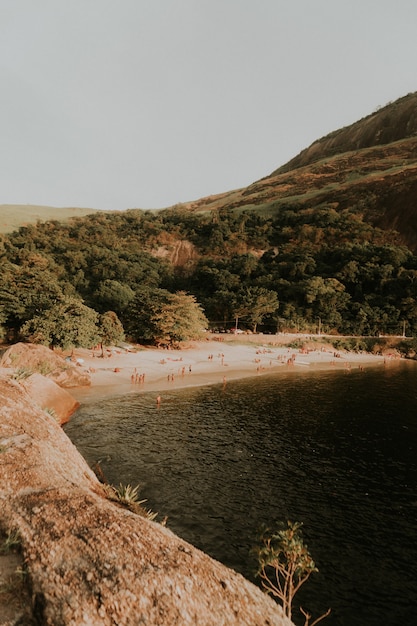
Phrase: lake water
(334, 450)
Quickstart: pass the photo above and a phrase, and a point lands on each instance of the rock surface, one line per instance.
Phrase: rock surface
(14, 595)
(36, 358)
(47, 395)
(91, 562)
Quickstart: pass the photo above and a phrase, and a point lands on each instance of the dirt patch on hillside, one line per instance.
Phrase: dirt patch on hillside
(180, 253)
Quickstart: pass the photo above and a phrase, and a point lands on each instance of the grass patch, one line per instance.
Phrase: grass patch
(22, 372)
(11, 542)
(52, 413)
(45, 368)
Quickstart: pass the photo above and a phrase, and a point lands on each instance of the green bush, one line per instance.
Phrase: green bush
(285, 564)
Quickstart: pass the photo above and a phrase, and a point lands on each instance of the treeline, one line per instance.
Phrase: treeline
(293, 269)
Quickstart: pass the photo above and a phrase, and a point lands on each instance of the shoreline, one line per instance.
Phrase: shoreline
(214, 361)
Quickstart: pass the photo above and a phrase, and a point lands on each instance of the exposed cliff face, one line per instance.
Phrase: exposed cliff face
(91, 562)
(397, 121)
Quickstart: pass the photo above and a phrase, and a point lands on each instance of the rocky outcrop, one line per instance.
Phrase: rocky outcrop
(89, 561)
(48, 396)
(29, 358)
(180, 253)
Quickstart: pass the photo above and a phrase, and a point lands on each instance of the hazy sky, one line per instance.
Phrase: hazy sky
(116, 104)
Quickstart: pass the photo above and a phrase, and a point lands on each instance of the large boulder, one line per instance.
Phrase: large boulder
(30, 358)
(89, 561)
(49, 396)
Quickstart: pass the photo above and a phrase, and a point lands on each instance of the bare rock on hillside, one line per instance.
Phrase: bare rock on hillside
(89, 561)
(37, 358)
(180, 253)
(47, 395)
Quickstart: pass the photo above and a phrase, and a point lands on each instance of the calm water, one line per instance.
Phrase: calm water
(335, 450)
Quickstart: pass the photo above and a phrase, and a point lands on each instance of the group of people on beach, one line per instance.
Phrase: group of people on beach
(137, 378)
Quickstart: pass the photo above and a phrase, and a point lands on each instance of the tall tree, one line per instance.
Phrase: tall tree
(180, 319)
(27, 289)
(66, 324)
(253, 304)
(110, 329)
(262, 302)
(112, 295)
(138, 319)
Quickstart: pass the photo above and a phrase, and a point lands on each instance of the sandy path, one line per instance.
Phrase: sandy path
(205, 362)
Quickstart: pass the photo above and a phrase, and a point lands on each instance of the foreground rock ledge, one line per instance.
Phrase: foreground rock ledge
(93, 563)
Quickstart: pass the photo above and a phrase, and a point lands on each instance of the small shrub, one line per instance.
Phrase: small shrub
(11, 542)
(129, 496)
(359, 344)
(49, 411)
(285, 564)
(127, 493)
(295, 345)
(22, 372)
(45, 368)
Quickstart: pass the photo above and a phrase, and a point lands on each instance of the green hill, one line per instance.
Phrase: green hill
(12, 216)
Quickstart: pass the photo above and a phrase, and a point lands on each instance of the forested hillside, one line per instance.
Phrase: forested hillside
(296, 270)
(310, 247)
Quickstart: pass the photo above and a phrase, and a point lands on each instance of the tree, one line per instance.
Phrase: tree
(285, 564)
(159, 316)
(327, 299)
(110, 329)
(253, 303)
(3, 318)
(27, 289)
(113, 295)
(180, 319)
(66, 324)
(138, 320)
(262, 302)
(219, 307)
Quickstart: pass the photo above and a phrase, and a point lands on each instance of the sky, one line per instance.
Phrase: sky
(116, 104)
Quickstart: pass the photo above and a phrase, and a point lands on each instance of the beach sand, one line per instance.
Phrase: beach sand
(217, 360)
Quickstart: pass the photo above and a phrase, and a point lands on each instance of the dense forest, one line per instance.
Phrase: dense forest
(110, 275)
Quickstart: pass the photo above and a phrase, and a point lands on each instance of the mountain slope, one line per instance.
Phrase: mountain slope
(394, 122)
(369, 167)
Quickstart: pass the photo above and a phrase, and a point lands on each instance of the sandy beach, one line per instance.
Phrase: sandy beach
(217, 360)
